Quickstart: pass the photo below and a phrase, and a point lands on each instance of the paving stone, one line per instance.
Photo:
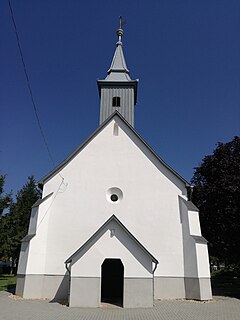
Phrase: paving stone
(221, 308)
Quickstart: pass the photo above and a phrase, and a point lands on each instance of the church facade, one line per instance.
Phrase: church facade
(114, 224)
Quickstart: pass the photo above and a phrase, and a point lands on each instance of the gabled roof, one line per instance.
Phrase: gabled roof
(93, 135)
(92, 238)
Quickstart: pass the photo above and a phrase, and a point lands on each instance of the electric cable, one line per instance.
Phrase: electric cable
(29, 85)
(30, 88)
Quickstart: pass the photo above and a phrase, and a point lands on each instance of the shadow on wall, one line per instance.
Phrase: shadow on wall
(61, 295)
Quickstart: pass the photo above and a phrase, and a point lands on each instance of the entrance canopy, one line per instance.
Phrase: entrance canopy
(112, 240)
(111, 266)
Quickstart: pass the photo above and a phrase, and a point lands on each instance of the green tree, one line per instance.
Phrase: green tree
(217, 194)
(5, 202)
(14, 225)
(5, 199)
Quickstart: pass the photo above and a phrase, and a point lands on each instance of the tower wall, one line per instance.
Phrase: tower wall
(126, 108)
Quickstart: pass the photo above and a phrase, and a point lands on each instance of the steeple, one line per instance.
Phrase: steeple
(118, 91)
(118, 69)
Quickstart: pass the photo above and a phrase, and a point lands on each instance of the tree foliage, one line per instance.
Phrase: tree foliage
(5, 199)
(14, 225)
(217, 194)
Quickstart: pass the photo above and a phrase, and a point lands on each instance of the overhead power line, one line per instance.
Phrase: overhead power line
(29, 85)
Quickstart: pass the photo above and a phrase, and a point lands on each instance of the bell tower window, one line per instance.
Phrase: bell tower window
(116, 101)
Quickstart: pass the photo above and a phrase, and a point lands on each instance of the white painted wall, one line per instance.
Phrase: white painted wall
(149, 208)
(38, 244)
(196, 260)
(202, 260)
(189, 247)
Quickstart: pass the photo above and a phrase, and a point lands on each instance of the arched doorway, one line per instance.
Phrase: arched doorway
(112, 281)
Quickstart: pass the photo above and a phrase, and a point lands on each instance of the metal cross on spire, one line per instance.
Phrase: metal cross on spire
(120, 30)
(120, 22)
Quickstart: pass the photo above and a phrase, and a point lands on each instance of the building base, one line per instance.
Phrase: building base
(35, 286)
(180, 288)
(86, 291)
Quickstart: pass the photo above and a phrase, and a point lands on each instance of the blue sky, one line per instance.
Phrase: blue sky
(184, 53)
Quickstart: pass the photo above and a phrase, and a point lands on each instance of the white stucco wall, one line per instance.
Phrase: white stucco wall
(149, 208)
(38, 244)
(189, 246)
(196, 260)
(202, 260)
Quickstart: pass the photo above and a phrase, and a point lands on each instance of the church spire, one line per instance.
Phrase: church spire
(118, 69)
(117, 91)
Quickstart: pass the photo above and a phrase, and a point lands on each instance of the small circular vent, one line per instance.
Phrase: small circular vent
(114, 195)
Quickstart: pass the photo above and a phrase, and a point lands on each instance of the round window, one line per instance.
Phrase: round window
(114, 197)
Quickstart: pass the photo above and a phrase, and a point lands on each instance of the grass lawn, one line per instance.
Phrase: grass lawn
(7, 282)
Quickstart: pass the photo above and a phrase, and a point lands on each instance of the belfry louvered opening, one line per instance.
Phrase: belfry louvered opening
(116, 101)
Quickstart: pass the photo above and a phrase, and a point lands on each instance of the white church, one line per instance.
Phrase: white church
(114, 224)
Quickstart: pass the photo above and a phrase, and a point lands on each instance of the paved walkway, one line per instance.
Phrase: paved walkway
(221, 308)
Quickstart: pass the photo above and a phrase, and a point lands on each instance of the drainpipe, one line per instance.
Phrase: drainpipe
(154, 269)
(69, 280)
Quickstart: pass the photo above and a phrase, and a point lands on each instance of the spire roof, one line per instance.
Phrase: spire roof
(118, 70)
